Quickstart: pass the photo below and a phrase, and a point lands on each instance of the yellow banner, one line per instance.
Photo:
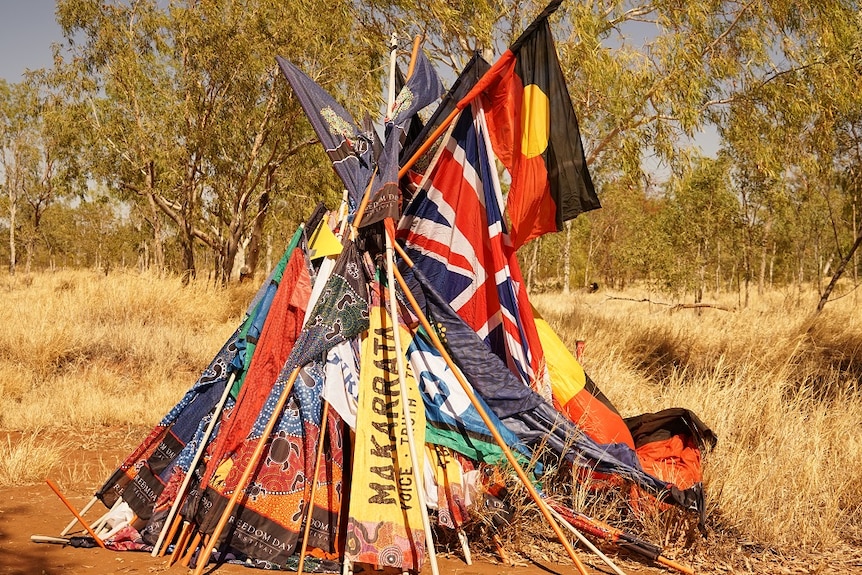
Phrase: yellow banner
(385, 523)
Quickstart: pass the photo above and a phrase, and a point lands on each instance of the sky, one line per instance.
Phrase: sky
(27, 29)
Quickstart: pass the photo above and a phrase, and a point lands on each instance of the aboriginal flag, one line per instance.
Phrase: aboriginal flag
(535, 134)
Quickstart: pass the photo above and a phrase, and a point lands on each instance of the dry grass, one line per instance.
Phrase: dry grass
(84, 351)
(80, 349)
(781, 392)
(27, 460)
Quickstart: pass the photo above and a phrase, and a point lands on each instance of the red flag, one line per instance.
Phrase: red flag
(535, 134)
(282, 328)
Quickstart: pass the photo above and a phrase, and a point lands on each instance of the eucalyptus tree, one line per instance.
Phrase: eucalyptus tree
(699, 220)
(18, 147)
(189, 118)
(37, 161)
(788, 136)
(646, 77)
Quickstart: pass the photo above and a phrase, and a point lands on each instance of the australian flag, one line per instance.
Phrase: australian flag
(454, 231)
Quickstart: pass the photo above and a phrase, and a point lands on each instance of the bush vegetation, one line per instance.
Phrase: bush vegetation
(87, 354)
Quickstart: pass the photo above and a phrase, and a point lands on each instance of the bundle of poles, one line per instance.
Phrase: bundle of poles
(190, 545)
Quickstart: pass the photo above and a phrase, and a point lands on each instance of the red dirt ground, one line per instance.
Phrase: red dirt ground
(34, 509)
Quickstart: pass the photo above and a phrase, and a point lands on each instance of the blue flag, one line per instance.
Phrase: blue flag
(349, 149)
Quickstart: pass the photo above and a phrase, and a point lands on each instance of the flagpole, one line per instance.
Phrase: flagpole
(390, 95)
(417, 41)
(65, 501)
(83, 512)
(188, 478)
(323, 419)
(203, 559)
(589, 544)
(429, 141)
(402, 382)
(534, 495)
(100, 522)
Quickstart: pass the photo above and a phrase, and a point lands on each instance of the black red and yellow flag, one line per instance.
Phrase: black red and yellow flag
(534, 132)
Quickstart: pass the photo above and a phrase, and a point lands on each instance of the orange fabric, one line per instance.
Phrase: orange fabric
(675, 460)
(283, 325)
(597, 421)
(572, 394)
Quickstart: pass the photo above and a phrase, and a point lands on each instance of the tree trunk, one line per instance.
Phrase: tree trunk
(588, 263)
(269, 263)
(188, 245)
(701, 279)
(567, 258)
(158, 243)
(252, 255)
(717, 270)
(230, 248)
(855, 255)
(838, 272)
(772, 264)
(13, 209)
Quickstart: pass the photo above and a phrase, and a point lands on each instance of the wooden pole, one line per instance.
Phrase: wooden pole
(674, 565)
(390, 94)
(429, 141)
(501, 551)
(246, 475)
(417, 41)
(181, 543)
(49, 539)
(100, 522)
(311, 497)
(522, 475)
(402, 382)
(188, 478)
(587, 543)
(465, 546)
(83, 512)
(116, 528)
(191, 550)
(65, 501)
(173, 531)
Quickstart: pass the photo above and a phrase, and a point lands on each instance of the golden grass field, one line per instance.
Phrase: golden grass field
(87, 352)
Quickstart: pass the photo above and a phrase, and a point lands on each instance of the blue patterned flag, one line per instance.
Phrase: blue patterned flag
(349, 148)
(420, 90)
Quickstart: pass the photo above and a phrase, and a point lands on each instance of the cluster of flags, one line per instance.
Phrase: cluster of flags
(316, 367)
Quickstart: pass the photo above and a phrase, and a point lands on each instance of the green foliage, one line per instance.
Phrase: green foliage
(191, 119)
(178, 110)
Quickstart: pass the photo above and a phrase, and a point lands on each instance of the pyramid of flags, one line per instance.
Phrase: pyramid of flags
(393, 356)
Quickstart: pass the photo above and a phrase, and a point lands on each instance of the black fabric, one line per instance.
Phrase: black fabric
(664, 424)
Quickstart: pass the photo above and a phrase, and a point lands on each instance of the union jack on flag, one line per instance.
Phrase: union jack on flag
(454, 232)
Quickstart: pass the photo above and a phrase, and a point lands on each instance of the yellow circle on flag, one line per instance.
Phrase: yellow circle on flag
(535, 121)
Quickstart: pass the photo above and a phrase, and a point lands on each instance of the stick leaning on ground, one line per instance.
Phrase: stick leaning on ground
(198, 454)
(65, 501)
(522, 475)
(83, 512)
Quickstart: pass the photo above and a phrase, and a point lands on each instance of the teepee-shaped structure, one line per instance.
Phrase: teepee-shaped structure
(365, 386)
